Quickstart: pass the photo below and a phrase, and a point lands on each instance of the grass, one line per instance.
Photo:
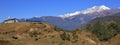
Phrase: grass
(43, 34)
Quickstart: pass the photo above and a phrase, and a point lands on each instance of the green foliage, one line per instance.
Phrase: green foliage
(104, 31)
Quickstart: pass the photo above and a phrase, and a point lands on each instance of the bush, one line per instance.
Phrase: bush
(104, 31)
(65, 36)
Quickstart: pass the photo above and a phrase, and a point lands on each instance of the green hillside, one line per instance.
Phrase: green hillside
(105, 27)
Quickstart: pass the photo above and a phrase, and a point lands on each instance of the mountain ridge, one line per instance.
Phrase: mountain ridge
(75, 21)
(87, 11)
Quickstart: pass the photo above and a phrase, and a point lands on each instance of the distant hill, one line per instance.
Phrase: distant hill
(77, 19)
(114, 17)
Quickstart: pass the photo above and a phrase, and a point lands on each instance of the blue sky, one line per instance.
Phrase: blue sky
(31, 8)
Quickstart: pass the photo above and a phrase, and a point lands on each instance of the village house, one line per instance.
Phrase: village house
(11, 20)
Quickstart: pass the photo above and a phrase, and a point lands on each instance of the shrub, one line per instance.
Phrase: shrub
(104, 31)
(65, 36)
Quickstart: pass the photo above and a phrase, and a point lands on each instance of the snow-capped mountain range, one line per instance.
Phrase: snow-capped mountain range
(87, 11)
(77, 19)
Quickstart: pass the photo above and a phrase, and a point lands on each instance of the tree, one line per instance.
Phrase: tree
(104, 31)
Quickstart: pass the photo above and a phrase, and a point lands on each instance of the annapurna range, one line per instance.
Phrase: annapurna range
(77, 19)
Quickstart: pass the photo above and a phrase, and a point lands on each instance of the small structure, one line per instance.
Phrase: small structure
(11, 20)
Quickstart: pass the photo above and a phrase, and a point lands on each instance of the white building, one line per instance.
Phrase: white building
(10, 20)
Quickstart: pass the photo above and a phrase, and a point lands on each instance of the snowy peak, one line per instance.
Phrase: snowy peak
(70, 14)
(87, 11)
(95, 9)
(102, 7)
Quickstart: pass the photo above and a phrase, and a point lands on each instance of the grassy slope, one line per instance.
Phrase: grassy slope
(43, 34)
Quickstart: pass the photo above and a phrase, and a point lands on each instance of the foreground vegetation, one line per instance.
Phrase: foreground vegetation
(104, 31)
(27, 33)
